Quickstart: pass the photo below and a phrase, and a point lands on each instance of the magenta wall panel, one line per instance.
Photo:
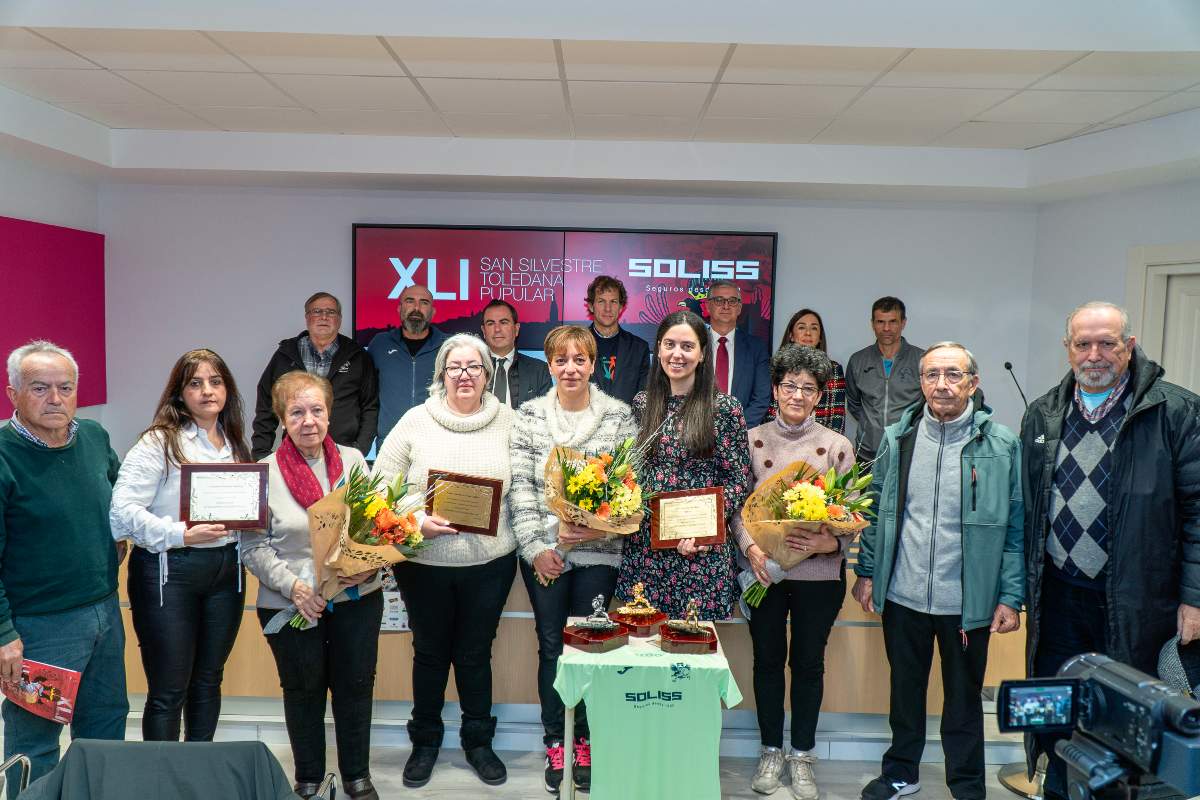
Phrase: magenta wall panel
(52, 287)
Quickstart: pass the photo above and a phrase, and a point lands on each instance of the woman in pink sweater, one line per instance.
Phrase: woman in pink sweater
(811, 592)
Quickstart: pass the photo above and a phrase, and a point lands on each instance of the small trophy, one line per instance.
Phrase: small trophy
(641, 618)
(597, 633)
(688, 635)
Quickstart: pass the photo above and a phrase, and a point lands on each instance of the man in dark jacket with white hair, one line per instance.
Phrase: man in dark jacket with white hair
(1112, 502)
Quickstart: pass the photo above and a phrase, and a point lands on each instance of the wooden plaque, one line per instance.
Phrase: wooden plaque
(686, 514)
(233, 495)
(470, 503)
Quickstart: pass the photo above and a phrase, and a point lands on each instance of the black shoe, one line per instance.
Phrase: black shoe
(419, 767)
(306, 789)
(361, 789)
(554, 767)
(581, 770)
(487, 765)
(884, 788)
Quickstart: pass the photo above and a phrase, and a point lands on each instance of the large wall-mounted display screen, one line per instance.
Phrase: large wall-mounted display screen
(544, 274)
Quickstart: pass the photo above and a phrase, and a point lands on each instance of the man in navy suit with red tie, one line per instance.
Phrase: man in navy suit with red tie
(740, 361)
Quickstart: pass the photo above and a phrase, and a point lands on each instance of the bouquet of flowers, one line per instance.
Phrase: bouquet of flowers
(360, 526)
(599, 491)
(799, 497)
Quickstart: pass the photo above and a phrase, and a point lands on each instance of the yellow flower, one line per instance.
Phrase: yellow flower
(586, 504)
(415, 538)
(806, 502)
(376, 504)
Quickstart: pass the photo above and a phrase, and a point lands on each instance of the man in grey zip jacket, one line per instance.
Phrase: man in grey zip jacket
(943, 561)
(881, 379)
(404, 357)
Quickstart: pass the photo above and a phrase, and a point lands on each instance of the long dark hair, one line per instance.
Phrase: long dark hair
(172, 413)
(787, 332)
(695, 420)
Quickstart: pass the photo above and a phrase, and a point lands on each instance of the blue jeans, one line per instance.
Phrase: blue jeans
(91, 640)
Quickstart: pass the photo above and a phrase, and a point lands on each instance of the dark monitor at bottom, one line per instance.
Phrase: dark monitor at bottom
(1042, 706)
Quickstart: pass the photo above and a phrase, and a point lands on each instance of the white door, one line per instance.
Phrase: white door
(1181, 331)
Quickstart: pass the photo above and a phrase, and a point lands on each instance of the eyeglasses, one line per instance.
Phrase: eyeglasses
(470, 370)
(725, 301)
(323, 312)
(807, 392)
(953, 376)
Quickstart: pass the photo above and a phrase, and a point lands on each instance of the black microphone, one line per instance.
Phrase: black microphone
(1008, 366)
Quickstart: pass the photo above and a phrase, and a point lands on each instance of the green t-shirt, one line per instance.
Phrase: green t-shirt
(56, 547)
(655, 720)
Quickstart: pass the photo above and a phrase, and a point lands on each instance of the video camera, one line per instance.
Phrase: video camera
(1129, 730)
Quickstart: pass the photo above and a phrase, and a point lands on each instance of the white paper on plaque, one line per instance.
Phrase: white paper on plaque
(225, 496)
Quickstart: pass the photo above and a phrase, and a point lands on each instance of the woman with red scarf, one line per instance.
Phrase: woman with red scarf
(336, 654)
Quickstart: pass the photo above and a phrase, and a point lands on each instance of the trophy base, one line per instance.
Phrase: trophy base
(640, 627)
(591, 641)
(673, 641)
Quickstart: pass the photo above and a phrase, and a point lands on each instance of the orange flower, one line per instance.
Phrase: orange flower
(819, 482)
(386, 519)
(606, 458)
(603, 511)
(629, 482)
(835, 511)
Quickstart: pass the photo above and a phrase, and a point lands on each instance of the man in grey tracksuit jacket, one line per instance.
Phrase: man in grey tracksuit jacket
(942, 561)
(877, 392)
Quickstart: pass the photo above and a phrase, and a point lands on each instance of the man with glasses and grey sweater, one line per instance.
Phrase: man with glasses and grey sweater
(944, 562)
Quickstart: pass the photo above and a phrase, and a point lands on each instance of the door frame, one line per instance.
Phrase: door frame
(1150, 267)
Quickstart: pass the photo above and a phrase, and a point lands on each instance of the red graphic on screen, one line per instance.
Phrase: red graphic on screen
(545, 275)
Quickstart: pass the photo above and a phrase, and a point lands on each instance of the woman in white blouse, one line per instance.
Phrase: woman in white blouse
(185, 583)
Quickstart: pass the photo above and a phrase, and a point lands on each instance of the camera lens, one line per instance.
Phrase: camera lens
(1182, 714)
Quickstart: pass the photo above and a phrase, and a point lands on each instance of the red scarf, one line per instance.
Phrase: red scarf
(298, 475)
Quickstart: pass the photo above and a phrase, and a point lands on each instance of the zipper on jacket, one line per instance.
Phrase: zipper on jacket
(937, 491)
(974, 480)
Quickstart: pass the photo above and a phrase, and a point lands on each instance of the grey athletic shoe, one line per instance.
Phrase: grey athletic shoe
(804, 785)
(770, 770)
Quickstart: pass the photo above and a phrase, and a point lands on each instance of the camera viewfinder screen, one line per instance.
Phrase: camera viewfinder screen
(1039, 706)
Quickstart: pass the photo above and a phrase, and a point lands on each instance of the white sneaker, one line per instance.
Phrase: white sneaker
(804, 785)
(770, 770)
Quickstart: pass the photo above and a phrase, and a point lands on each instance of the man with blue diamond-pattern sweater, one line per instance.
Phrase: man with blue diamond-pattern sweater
(1112, 503)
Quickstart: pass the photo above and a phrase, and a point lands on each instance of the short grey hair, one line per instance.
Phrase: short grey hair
(437, 388)
(972, 365)
(723, 284)
(35, 347)
(794, 358)
(1095, 305)
(323, 296)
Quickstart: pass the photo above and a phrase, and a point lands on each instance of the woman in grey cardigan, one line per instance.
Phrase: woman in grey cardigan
(563, 571)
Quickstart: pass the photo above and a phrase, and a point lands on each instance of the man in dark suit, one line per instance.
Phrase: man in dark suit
(740, 361)
(518, 378)
(622, 359)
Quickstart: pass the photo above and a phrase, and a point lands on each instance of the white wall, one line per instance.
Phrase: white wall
(42, 194)
(1082, 254)
(230, 269)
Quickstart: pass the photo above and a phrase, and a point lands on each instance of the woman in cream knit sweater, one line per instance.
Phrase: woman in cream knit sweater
(456, 588)
(563, 571)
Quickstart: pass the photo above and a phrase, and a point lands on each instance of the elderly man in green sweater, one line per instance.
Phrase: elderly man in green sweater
(58, 564)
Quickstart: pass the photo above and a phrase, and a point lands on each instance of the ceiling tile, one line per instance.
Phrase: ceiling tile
(1015, 135)
(883, 132)
(428, 57)
(764, 100)
(311, 54)
(1172, 104)
(793, 130)
(353, 91)
(510, 126)
(471, 96)
(915, 104)
(384, 122)
(76, 85)
(975, 69)
(1067, 107)
(20, 48)
(642, 61)
(1128, 72)
(269, 120)
(129, 49)
(653, 99)
(616, 126)
(224, 89)
(842, 66)
(155, 118)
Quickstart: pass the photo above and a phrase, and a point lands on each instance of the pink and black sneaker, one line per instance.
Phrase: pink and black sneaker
(554, 766)
(581, 771)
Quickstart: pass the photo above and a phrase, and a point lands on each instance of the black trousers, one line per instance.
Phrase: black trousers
(185, 641)
(570, 595)
(1073, 621)
(813, 607)
(454, 613)
(336, 657)
(908, 638)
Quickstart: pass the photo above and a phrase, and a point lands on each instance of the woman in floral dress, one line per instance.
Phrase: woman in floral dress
(697, 438)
